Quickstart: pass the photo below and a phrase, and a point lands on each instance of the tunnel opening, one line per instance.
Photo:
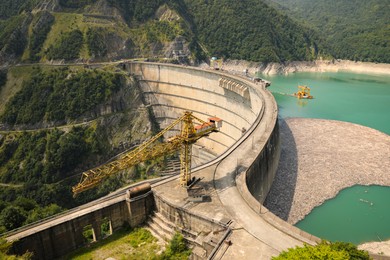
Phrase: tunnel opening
(89, 234)
(106, 228)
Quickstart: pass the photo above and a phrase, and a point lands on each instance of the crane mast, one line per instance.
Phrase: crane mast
(189, 134)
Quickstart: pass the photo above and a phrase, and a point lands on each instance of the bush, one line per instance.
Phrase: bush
(177, 249)
(324, 250)
(67, 47)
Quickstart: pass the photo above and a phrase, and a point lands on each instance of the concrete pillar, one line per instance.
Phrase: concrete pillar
(96, 231)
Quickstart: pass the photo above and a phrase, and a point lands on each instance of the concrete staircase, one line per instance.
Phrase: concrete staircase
(160, 227)
(164, 230)
(172, 167)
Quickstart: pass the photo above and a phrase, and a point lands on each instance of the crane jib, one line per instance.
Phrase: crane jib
(151, 148)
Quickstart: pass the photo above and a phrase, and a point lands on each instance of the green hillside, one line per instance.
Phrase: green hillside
(353, 29)
(90, 30)
(92, 111)
(9, 8)
(249, 30)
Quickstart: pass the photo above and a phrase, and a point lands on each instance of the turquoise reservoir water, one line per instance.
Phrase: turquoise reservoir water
(357, 214)
(357, 98)
(360, 213)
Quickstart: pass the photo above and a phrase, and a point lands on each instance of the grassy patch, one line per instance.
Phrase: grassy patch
(15, 78)
(64, 22)
(137, 244)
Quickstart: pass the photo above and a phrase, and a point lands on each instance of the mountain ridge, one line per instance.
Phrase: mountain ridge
(352, 29)
(150, 29)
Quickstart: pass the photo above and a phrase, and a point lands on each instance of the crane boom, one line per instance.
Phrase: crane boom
(150, 149)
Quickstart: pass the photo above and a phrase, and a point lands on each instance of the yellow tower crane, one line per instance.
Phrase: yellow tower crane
(189, 134)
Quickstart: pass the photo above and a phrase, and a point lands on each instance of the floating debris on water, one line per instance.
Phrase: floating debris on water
(366, 201)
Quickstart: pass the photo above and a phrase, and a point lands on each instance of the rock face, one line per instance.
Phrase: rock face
(48, 5)
(177, 49)
(239, 66)
(128, 97)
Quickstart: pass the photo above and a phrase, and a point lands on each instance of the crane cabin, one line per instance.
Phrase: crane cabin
(214, 124)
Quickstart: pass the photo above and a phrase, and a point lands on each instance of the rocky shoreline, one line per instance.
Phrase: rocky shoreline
(321, 157)
(306, 66)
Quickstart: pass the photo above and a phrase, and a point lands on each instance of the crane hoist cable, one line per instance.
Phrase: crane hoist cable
(189, 134)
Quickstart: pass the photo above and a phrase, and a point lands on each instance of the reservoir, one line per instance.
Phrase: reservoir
(357, 214)
(356, 98)
(360, 213)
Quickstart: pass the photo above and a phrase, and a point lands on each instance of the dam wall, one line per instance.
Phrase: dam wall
(170, 90)
(260, 175)
(247, 147)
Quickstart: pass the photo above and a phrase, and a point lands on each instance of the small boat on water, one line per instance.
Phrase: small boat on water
(303, 93)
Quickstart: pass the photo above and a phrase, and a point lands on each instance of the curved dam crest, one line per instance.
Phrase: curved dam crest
(234, 163)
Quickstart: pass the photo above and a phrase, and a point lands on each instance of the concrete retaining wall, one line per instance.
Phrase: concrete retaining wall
(193, 225)
(64, 234)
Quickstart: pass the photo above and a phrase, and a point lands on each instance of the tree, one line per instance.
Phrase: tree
(25, 203)
(41, 213)
(5, 246)
(3, 77)
(12, 217)
(324, 250)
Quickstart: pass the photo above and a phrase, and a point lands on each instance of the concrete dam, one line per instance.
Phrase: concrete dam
(236, 167)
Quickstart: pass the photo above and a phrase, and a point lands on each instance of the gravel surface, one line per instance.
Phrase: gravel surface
(321, 157)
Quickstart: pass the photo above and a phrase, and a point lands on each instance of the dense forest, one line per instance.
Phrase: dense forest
(209, 28)
(13, 38)
(38, 168)
(256, 30)
(59, 95)
(31, 168)
(10, 8)
(352, 29)
(250, 30)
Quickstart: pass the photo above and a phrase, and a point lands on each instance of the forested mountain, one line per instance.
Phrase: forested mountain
(98, 114)
(249, 30)
(353, 29)
(41, 31)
